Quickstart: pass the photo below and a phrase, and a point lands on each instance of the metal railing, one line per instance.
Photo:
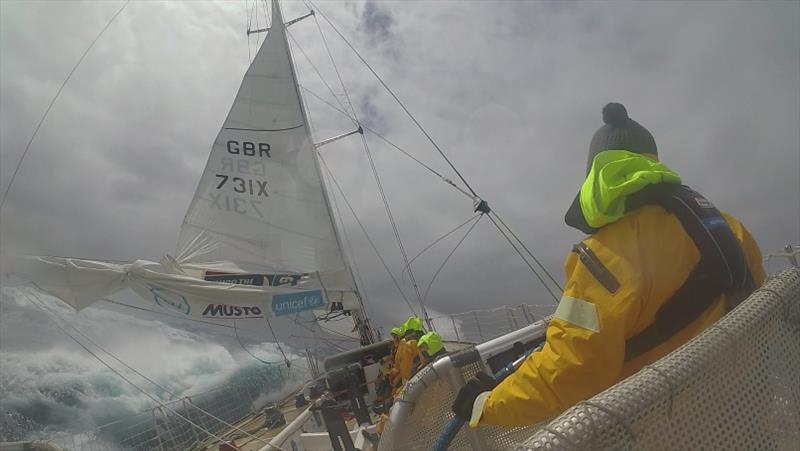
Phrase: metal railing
(164, 427)
(735, 386)
(478, 326)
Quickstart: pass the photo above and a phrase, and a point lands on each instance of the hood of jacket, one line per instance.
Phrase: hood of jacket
(614, 178)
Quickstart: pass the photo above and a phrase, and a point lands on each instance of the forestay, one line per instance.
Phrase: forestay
(258, 234)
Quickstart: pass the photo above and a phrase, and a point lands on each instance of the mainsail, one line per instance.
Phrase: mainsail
(258, 234)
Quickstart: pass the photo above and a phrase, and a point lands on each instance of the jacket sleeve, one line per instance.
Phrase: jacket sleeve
(585, 347)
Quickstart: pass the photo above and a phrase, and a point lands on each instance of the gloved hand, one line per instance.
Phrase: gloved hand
(465, 398)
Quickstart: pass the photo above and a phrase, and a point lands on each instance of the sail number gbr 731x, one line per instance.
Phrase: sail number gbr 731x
(253, 166)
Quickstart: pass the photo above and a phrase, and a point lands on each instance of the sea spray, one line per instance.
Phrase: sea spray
(55, 390)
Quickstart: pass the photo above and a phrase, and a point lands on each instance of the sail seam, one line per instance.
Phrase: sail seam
(265, 129)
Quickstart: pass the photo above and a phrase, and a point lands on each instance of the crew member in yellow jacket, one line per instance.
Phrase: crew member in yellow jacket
(407, 351)
(638, 259)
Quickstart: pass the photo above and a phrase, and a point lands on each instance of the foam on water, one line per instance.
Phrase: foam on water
(50, 386)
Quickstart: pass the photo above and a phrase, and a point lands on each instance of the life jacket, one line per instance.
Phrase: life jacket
(722, 267)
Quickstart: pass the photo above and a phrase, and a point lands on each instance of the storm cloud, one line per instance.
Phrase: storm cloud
(511, 91)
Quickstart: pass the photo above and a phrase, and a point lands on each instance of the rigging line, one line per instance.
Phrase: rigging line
(528, 251)
(502, 232)
(324, 340)
(421, 128)
(394, 227)
(372, 165)
(53, 101)
(387, 141)
(238, 340)
(90, 340)
(319, 74)
(121, 376)
(134, 370)
(364, 230)
(355, 269)
(306, 337)
(440, 239)
(277, 343)
(451, 254)
(397, 99)
(248, 18)
(347, 243)
(335, 66)
(374, 171)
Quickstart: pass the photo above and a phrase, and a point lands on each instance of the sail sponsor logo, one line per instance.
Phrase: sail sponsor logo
(286, 304)
(276, 280)
(273, 280)
(232, 311)
(238, 279)
(171, 300)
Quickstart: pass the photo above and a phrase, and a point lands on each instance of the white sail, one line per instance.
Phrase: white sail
(260, 207)
(258, 234)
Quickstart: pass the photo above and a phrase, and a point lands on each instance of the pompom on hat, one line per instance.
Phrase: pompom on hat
(620, 132)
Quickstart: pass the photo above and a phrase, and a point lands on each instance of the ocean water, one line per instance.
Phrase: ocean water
(52, 388)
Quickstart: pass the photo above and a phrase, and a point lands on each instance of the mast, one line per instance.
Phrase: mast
(360, 319)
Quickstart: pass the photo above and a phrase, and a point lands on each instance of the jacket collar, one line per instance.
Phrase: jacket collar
(615, 178)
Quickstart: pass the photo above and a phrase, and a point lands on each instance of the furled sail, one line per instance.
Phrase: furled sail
(258, 232)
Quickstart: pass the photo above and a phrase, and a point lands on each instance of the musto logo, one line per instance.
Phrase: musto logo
(232, 311)
(171, 300)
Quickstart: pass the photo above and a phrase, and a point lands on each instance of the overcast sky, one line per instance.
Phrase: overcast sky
(511, 91)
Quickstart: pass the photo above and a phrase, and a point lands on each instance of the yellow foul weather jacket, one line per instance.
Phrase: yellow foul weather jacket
(651, 256)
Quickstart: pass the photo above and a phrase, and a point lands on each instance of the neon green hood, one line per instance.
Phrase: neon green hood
(614, 176)
(433, 341)
(413, 323)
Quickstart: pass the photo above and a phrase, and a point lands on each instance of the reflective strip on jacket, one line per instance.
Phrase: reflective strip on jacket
(651, 256)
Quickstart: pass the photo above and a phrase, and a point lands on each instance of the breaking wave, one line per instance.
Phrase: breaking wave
(50, 387)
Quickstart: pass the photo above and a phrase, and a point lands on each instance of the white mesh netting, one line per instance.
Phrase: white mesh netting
(734, 387)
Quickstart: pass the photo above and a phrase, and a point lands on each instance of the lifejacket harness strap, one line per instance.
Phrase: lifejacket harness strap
(722, 267)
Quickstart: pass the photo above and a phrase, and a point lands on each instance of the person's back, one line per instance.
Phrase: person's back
(637, 264)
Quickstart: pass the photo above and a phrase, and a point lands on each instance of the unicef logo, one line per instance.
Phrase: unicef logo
(168, 299)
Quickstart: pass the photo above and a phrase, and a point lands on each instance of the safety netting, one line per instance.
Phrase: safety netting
(736, 386)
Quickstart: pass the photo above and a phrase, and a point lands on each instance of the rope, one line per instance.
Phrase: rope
(387, 141)
(397, 99)
(374, 169)
(277, 343)
(451, 254)
(134, 370)
(438, 149)
(355, 270)
(440, 239)
(53, 101)
(502, 232)
(121, 376)
(529, 252)
(364, 230)
(394, 228)
(238, 340)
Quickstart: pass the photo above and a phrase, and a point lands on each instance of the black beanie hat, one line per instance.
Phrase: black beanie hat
(620, 133)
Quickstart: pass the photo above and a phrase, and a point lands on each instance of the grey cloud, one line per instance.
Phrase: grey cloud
(512, 92)
(377, 21)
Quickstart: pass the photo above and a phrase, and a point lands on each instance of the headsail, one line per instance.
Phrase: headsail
(259, 230)
(260, 207)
